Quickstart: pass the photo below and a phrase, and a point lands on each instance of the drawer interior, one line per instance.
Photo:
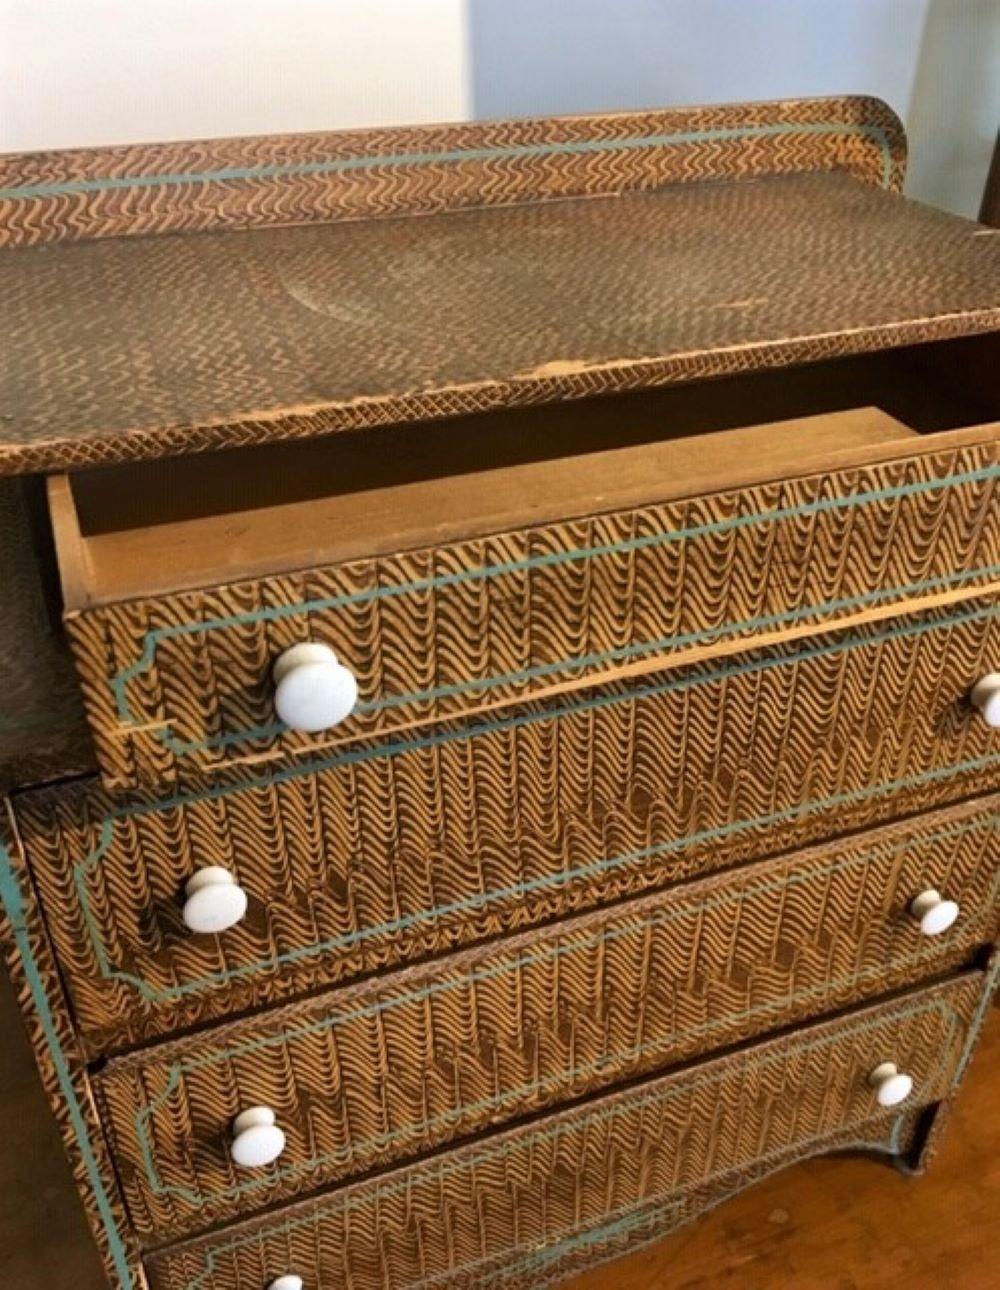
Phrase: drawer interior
(156, 527)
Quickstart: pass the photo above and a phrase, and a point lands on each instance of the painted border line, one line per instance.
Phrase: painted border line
(121, 681)
(673, 684)
(605, 936)
(453, 156)
(447, 1165)
(15, 907)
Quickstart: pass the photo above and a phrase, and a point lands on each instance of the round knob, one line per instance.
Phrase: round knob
(312, 691)
(287, 1283)
(934, 914)
(215, 901)
(257, 1140)
(986, 697)
(891, 1085)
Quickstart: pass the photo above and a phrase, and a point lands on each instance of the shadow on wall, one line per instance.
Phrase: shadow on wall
(588, 55)
(937, 62)
(955, 106)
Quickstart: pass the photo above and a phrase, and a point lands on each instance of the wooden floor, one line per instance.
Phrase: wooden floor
(832, 1224)
(850, 1223)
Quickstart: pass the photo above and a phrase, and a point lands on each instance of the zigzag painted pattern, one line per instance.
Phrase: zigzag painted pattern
(390, 852)
(62, 1066)
(623, 1231)
(292, 179)
(383, 321)
(361, 1078)
(477, 1212)
(443, 632)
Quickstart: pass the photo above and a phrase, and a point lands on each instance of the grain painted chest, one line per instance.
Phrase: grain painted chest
(501, 655)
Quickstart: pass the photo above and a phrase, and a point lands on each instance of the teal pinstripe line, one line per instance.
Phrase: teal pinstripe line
(84, 868)
(989, 986)
(623, 1225)
(448, 1166)
(14, 905)
(348, 165)
(185, 747)
(617, 1223)
(645, 1212)
(608, 936)
(123, 679)
(178, 1070)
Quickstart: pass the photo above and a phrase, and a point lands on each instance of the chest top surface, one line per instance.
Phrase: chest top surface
(270, 321)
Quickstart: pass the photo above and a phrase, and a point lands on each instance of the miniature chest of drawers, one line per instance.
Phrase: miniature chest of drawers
(501, 720)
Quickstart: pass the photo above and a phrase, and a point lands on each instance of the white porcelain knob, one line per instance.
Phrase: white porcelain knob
(934, 914)
(215, 900)
(287, 1283)
(312, 690)
(986, 697)
(891, 1085)
(257, 1140)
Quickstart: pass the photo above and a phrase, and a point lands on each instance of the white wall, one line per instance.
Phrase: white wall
(110, 71)
(954, 109)
(123, 71)
(551, 58)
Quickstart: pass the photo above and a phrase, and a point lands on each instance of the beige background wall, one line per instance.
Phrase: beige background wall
(110, 71)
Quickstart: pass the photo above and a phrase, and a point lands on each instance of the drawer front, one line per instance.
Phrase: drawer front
(509, 1210)
(180, 685)
(386, 852)
(361, 1077)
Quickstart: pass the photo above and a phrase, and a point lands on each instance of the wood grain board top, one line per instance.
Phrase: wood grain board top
(126, 348)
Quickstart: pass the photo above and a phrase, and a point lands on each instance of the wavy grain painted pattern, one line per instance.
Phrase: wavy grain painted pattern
(178, 686)
(143, 189)
(384, 852)
(62, 1066)
(512, 1208)
(365, 1077)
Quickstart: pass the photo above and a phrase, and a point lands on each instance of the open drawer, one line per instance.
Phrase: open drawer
(454, 568)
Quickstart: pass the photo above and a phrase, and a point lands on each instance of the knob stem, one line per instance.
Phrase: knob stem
(934, 914)
(313, 691)
(301, 656)
(212, 875)
(891, 1085)
(254, 1118)
(985, 696)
